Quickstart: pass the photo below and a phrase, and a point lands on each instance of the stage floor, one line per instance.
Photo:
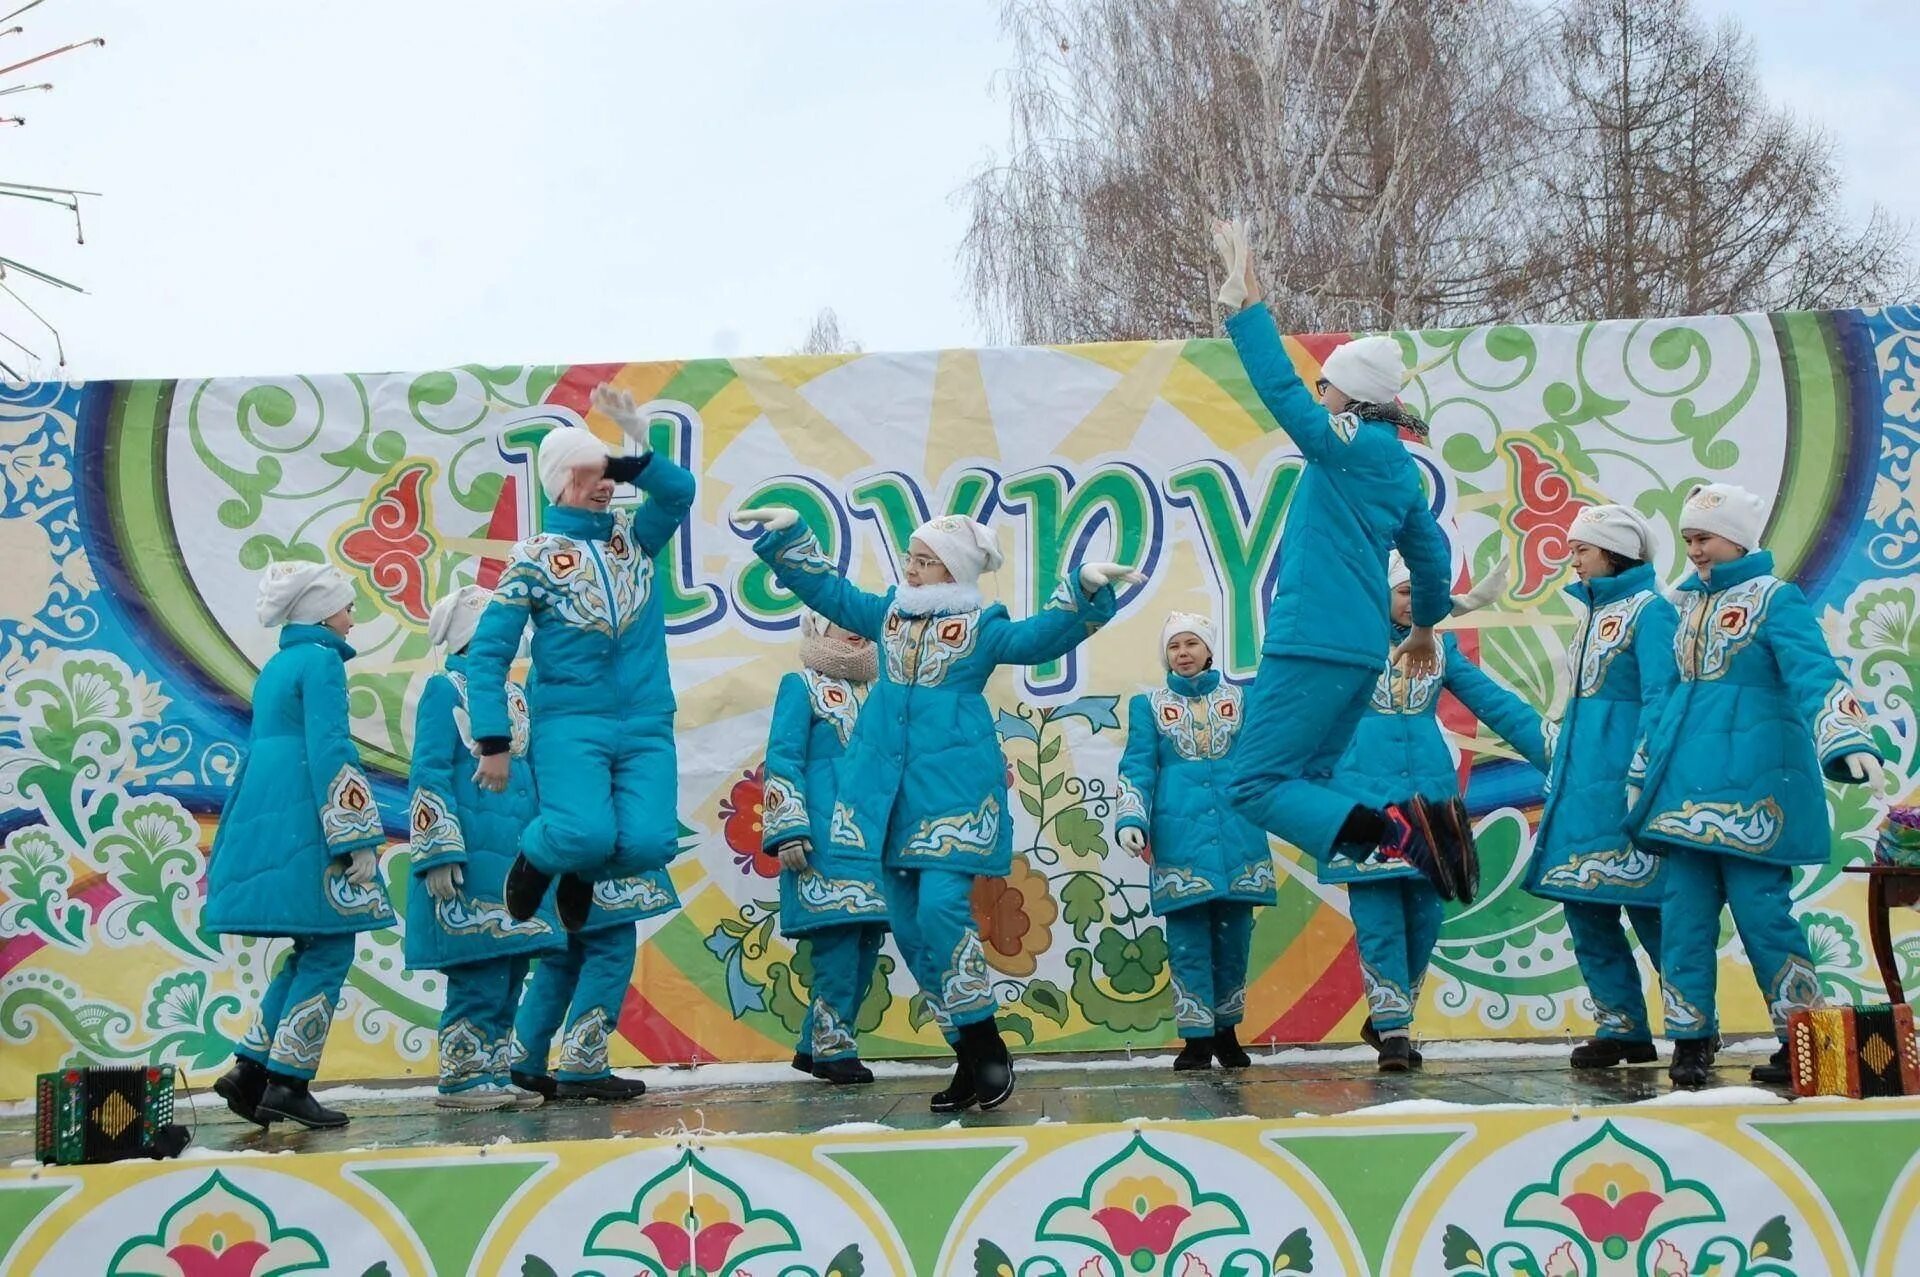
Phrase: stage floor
(763, 1099)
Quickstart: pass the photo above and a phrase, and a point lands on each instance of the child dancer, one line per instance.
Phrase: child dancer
(830, 894)
(1211, 866)
(297, 851)
(464, 839)
(1359, 496)
(1621, 658)
(601, 701)
(925, 781)
(1398, 755)
(1732, 791)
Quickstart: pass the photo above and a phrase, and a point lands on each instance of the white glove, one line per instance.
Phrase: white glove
(1866, 768)
(793, 855)
(1134, 840)
(1489, 588)
(1230, 241)
(1096, 576)
(444, 881)
(362, 866)
(619, 405)
(772, 518)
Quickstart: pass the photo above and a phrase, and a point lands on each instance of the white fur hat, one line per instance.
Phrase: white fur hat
(298, 593)
(1201, 627)
(454, 618)
(1725, 510)
(1618, 528)
(965, 547)
(563, 449)
(1370, 369)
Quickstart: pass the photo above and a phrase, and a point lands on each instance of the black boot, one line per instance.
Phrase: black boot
(1396, 1054)
(526, 888)
(1692, 1058)
(1369, 1034)
(1604, 1053)
(1774, 1071)
(981, 1045)
(242, 1086)
(288, 1099)
(847, 1072)
(803, 1063)
(1227, 1049)
(604, 1090)
(541, 1084)
(1195, 1053)
(573, 901)
(959, 1095)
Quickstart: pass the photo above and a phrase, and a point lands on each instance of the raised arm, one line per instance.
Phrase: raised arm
(1505, 714)
(669, 487)
(789, 548)
(1072, 615)
(1256, 339)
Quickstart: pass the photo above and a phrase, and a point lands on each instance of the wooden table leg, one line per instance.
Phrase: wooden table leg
(1878, 933)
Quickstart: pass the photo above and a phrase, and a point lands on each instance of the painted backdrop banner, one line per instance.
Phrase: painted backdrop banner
(138, 514)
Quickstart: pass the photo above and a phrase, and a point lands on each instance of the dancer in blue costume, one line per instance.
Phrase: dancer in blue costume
(463, 840)
(297, 851)
(829, 894)
(1359, 496)
(1398, 754)
(924, 780)
(1211, 865)
(1732, 786)
(602, 704)
(1621, 660)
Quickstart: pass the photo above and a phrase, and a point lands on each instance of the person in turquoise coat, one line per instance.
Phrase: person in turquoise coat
(463, 839)
(923, 779)
(830, 895)
(1732, 791)
(297, 851)
(1398, 753)
(1621, 663)
(602, 704)
(1211, 865)
(1360, 494)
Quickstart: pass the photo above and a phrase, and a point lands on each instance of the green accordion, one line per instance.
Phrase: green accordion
(101, 1115)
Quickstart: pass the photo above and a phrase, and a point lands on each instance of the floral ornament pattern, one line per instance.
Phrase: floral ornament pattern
(1548, 497)
(743, 824)
(1141, 1210)
(390, 544)
(218, 1230)
(1015, 915)
(690, 1219)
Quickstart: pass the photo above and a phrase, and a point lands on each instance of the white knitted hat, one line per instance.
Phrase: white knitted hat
(1370, 369)
(965, 547)
(1201, 627)
(454, 618)
(1398, 573)
(563, 449)
(297, 593)
(1618, 528)
(1726, 510)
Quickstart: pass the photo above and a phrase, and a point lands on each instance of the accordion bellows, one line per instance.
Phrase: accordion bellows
(1860, 1052)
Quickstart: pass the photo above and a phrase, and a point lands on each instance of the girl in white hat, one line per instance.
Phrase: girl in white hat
(1733, 789)
(1621, 659)
(1211, 865)
(923, 781)
(297, 851)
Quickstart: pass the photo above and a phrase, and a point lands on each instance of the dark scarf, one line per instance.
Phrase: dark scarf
(1392, 414)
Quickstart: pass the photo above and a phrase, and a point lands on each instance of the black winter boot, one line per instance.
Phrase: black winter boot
(242, 1086)
(526, 888)
(1604, 1053)
(1774, 1071)
(1195, 1053)
(847, 1072)
(803, 1063)
(1396, 1054)
(982, 1047)
(541, 1084)
(604, 1090)
(1227, 1049)
(573, 901)
(288, 1099)
(959, 1095)
(1692, 1058)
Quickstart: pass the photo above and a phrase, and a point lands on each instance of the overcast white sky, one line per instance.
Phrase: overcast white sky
(401, 184)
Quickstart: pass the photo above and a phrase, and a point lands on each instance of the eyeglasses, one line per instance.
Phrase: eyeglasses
(1320, 387)
(922, 561)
